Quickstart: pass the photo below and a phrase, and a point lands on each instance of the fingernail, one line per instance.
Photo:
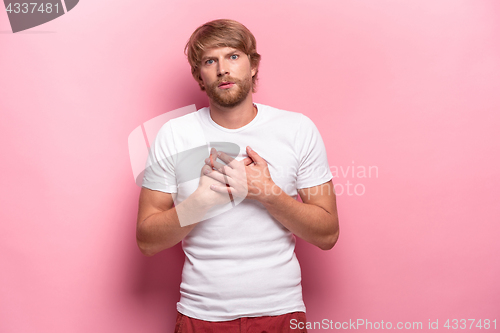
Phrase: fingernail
(206, 172)
(219, 153)
(249, 148)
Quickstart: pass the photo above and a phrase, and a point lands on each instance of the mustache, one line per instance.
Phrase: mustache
(227, 79)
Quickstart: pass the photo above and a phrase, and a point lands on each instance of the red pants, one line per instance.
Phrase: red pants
(266, 324)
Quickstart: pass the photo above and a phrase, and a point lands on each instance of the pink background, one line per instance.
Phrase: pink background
(410, 87)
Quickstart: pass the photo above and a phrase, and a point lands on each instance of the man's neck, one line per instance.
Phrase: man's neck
(235, 117)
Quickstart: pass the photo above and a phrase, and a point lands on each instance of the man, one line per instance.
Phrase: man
(237, 219)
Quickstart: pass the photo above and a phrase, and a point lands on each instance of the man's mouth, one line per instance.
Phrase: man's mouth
(225, 85)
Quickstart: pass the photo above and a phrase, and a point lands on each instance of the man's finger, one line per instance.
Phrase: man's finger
(220, 177)
(227, 159)
(205, 168)
(223, 189)
(212, 162)
(213, 157)
(247, 161)
(255, 157)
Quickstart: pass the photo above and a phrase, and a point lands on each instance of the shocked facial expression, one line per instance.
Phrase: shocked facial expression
(226, 75)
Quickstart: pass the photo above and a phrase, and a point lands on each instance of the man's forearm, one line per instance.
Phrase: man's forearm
(163, 230)
(309, 222)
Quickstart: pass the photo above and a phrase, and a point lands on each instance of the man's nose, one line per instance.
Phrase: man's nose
(222, 69)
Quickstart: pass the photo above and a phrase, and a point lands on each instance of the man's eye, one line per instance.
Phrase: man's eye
(209, 61)
(234, 56)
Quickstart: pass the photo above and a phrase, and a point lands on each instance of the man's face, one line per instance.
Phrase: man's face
(226, 74)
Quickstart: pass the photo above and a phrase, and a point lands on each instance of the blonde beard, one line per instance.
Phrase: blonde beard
(230, 98)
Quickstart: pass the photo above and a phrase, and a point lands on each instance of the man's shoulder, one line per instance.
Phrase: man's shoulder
(182, 132)
(274, 112)
(296, 124)
(180, 123)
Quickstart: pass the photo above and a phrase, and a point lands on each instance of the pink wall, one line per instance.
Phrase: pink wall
(407, 87)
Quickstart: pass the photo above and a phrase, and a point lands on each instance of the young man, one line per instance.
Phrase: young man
(238, 215)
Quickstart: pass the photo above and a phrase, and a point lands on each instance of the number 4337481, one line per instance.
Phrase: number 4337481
(30, 8)
(464, 324)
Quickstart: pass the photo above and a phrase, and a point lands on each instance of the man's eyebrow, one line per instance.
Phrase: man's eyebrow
(206, 57)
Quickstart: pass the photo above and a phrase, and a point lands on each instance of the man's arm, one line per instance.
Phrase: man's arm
(160, 225)
(315, 220)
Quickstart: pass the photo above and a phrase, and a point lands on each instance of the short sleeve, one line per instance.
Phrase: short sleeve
(159, 174)
(313, 163)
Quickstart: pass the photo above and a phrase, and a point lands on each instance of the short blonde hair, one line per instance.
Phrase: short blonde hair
(221, 33)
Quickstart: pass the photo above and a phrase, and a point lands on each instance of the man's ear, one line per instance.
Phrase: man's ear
(200, 81)
(254, 71)
(253, 68)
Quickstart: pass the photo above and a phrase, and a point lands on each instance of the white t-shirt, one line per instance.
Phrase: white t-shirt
(240, 263)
